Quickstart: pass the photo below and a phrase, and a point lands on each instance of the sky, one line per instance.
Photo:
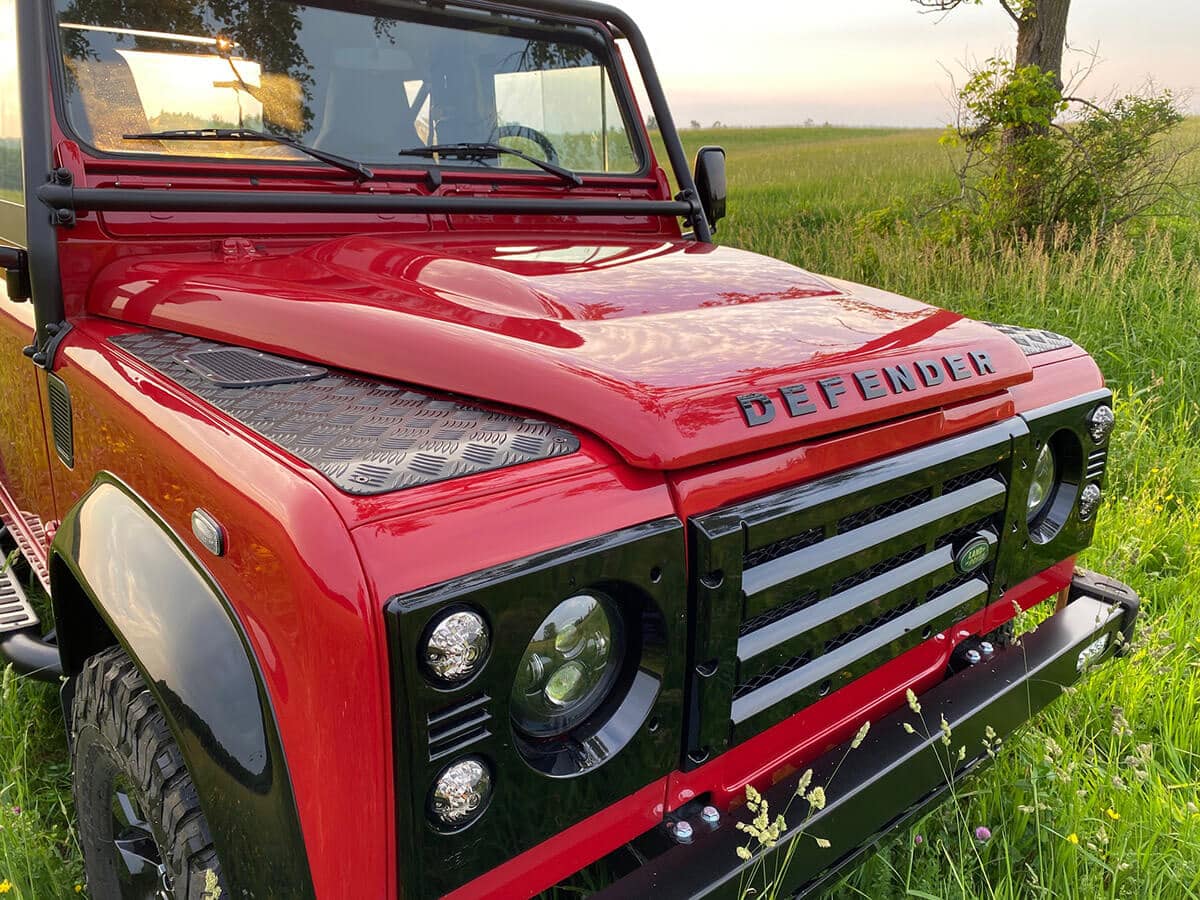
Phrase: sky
(866, 62)
(883, 62)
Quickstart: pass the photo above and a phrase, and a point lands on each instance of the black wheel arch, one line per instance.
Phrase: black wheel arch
(120, 575)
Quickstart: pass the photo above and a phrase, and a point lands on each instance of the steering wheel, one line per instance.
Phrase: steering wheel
(532, 135)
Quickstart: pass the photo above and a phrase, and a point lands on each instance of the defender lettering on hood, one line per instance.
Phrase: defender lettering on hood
(873, 384)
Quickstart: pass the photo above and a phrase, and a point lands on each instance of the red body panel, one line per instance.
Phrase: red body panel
(292, 575)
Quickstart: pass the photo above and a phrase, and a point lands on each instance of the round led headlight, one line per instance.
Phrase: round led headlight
(1045, 479)
(456, 646)
(460, 793)
(568, 668)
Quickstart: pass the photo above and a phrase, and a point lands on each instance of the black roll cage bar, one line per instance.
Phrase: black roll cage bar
(56, 192)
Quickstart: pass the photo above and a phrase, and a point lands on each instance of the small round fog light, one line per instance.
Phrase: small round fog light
(460, 793)
(1101, 424)
(1089, 502)
(456, 646)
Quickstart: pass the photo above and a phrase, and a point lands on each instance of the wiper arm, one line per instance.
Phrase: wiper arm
(481, 151)
(249, 135)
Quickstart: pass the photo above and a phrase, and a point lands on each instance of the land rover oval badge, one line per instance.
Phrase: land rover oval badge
(972, 557)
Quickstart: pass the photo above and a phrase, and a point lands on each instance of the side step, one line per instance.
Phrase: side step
(15, 612)
(21, 641)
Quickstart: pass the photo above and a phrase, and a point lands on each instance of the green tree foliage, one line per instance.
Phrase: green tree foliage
(1036, 163)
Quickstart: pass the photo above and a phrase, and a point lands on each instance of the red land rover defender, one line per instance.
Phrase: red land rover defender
(427, 511)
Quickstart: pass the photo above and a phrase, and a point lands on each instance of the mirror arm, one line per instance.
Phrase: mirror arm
(16, 265)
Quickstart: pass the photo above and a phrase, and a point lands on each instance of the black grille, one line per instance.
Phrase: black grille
(878, 569)
(784, 547)
(842, 575)
(965, 480)
(883, 510)
(775, 613)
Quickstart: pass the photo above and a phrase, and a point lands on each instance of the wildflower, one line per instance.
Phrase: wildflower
(816, 797)
(16, 810)
(743, 853)
(913, 703)
(1112, 814)
(5, 886)
(805, 781)
(908, 729)
(861, 736)
(983, 834)
(822, 843)
(79, 888)
(918, 840)
(946, 733)
(1073, 838)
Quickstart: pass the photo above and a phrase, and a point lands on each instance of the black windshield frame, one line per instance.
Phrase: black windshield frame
(526, 21)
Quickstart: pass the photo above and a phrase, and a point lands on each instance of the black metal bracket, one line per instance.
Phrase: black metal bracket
(43, 355)
(1087, 583)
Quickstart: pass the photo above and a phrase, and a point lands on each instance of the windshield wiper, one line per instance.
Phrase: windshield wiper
(482, 151)
(249, 135)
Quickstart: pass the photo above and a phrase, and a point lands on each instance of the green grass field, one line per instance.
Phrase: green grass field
(1100, 798)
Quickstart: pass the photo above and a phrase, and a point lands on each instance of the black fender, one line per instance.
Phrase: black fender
(161, 605)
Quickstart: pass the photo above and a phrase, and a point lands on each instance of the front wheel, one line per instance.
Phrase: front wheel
(143, 834)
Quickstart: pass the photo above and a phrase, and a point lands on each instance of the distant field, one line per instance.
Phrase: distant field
(1101, 797)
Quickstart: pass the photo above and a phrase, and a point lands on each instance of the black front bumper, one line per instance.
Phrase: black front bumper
(895, 776)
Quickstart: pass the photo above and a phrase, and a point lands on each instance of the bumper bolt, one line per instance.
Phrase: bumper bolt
(683, 832)
(973, 657)
(711, 815)
(987, 649)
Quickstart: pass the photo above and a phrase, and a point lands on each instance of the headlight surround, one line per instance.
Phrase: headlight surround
(1045, 481)
(569, 667)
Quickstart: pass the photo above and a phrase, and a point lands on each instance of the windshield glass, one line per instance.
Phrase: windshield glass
(364, 85)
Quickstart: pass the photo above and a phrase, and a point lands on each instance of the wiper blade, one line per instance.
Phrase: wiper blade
(249, 134)
(481, 151)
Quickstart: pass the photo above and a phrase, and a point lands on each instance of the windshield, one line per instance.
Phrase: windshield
(361, 85)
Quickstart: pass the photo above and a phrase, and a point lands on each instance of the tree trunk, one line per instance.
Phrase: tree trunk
(1042, 35)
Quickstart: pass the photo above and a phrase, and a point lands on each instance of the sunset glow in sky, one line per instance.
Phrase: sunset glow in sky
(870, 62)
(883, 62)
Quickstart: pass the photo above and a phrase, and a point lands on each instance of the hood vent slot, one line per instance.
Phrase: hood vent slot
(237, 367)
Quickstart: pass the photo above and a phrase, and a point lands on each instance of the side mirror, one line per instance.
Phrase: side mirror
(16, 267)
(710, 183)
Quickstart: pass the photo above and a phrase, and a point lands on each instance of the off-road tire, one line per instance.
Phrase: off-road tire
(121, 736)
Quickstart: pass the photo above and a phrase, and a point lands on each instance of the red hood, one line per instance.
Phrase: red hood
(649, 344)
